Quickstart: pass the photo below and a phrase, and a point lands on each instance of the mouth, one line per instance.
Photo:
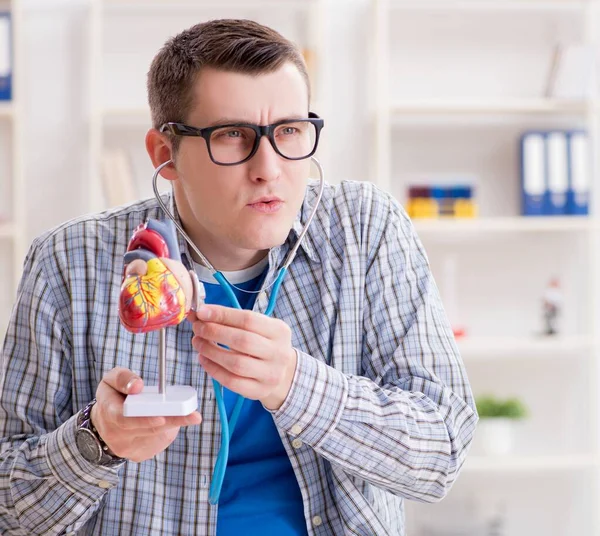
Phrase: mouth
(266, 205)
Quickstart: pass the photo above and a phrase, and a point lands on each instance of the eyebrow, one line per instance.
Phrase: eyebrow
(223, 121)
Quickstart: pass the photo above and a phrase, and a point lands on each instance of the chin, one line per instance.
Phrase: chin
(266, 237)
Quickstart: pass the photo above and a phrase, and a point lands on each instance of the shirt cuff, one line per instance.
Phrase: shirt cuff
(74, 472)
(315, 402)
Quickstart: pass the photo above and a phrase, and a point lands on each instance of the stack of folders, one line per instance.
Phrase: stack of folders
(5, 57)
(555, 173)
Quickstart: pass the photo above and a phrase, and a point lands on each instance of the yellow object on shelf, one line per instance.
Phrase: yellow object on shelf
(422, 207)
(465, 208)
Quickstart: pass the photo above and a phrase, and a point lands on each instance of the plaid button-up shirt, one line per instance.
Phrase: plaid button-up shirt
(380, 408)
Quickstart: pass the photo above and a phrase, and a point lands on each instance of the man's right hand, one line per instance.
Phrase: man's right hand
(134, 438)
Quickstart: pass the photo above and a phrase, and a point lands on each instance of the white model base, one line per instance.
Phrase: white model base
(179, 400)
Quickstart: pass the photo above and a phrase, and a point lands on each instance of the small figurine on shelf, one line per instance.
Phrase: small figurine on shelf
(552, 302)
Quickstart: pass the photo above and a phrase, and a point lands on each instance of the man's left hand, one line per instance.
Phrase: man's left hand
(259, 363)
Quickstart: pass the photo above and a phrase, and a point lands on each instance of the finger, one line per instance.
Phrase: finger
(242, 319)
(136, 267)
(246, 387)
(238, 364)
(123, 381)
(245, 342)
(109, 402)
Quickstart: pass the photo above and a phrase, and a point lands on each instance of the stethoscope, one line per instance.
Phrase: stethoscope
(228, 426)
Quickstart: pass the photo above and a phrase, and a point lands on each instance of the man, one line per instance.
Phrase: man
(357, 394)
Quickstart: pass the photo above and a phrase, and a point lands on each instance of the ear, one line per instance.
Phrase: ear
(159, 149)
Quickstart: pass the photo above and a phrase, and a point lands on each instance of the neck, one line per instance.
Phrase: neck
(229, 263)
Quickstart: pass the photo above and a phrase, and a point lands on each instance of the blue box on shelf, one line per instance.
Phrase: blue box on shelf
(6, 71)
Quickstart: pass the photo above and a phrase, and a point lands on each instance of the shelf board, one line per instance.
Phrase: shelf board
(482, 348)
(7, 230)
(497, 464)
(489, 107)
(489, 5)
(450, 226)
(7, 109)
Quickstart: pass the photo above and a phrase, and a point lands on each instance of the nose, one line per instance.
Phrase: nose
(265, 165)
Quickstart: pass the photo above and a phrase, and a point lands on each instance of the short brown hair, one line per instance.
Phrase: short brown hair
(235, 45)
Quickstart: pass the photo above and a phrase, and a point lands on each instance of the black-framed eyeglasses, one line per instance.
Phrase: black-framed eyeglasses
(229, 145)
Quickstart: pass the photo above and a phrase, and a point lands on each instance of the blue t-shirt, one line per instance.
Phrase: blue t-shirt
(260, 493)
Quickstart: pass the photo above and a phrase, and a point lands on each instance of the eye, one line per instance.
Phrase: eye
(229, 133)
(287, 130)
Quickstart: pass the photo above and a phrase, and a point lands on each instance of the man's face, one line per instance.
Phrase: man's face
(218, 204)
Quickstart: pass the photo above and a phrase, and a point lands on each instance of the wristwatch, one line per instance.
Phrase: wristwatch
(90, 444)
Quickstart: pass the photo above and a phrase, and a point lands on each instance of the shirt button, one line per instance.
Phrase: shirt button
(317, 521)
(296, 443)
(262, 295)
(296, 429)
(104, 484)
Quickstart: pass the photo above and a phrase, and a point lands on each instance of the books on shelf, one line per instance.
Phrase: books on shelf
(5, 57)
(117, 178)
(555, 173)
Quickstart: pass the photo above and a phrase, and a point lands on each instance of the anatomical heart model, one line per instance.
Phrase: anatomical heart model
(157, 291)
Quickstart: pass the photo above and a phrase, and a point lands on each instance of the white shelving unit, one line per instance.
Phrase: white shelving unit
(454, 84)
(400, 109)
(513, 6)
(529, 464)
(510, 224)
(12, 196)
(119, 115)
(6, 108)
(520, 348)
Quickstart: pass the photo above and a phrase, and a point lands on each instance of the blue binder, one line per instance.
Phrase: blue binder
(534, 173)
(557, 173)
(5, 57)
(578, 155)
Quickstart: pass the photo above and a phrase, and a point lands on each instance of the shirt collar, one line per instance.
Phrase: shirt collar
(307, 243)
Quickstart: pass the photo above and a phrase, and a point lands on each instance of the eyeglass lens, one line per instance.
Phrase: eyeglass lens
(230, 145)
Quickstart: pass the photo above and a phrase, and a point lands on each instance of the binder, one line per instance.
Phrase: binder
(5, 57)
(579, 173)
(533, 173)
(558, 173)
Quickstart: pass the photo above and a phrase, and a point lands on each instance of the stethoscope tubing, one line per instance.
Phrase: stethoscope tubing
(228, 425)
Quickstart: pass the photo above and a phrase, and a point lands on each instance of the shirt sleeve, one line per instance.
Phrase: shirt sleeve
(46, 486)
(406, 424)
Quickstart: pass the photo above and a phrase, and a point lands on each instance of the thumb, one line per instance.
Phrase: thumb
(124, 381)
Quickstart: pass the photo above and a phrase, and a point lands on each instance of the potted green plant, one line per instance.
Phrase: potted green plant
(497, 416)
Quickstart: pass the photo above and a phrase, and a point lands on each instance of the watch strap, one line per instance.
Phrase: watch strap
(84, 420)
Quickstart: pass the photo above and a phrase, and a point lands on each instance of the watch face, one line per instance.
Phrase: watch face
(88, 445)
